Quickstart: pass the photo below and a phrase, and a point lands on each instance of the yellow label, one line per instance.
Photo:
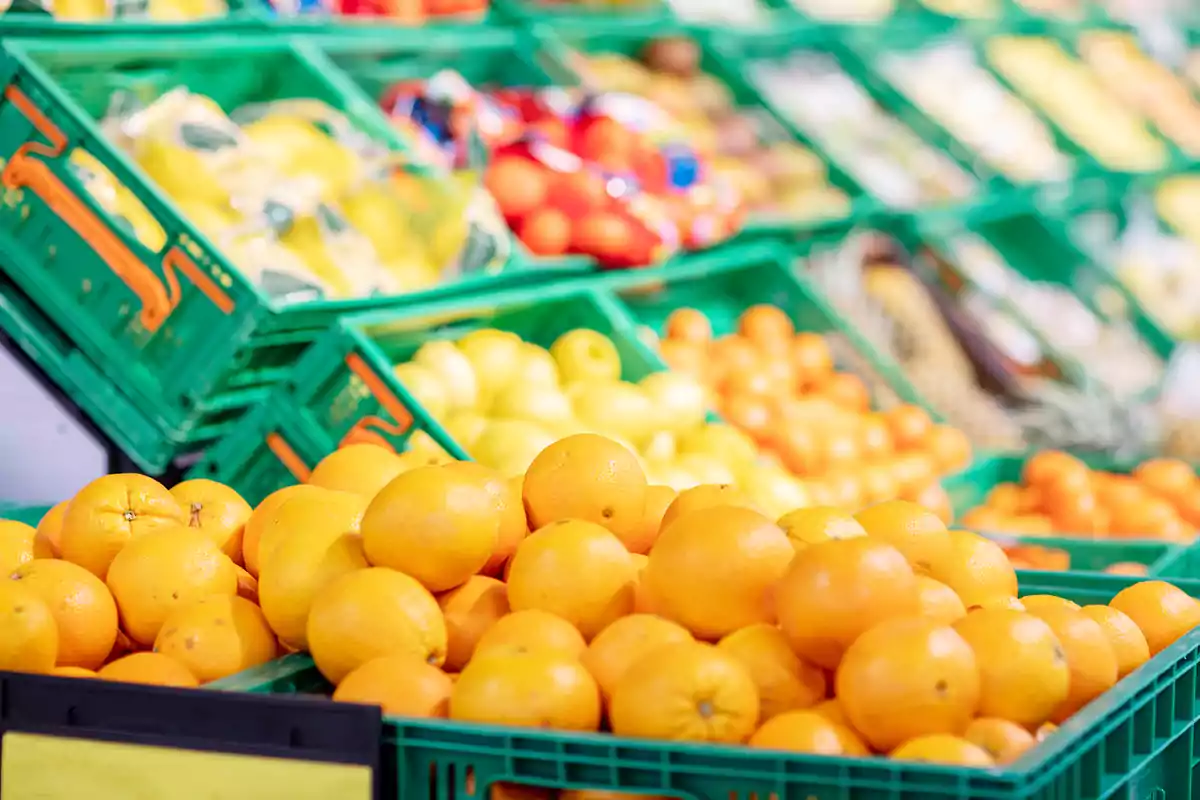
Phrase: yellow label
(37, 767)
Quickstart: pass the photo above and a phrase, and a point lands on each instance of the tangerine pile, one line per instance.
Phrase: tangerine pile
(1059, 493)
(782, 388)
(1056, 559)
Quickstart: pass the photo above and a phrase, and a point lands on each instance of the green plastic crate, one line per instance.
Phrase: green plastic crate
(1137, 742)
(30, 515)
(184, 328)
(628, 37)
(24, 21)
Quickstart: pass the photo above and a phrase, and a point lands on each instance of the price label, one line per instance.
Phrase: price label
(61, 768)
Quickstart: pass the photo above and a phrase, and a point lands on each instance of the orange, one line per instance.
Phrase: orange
(934, 498)
(847, 391)
(323, 549)
(1005, 498)
(784, 681)
(1128, 642)
(1090, 657)
(247, 585)
(938, 602)
(799, 732)
(469, 611)
(1131, 568)
(766, 326)
(1004, 741)
(16, 545)
(713, 571)
(688, 325)
(1168, 478)
(215, 510)
(1036, 602)
(836, 590)
(28, 635)
(1043, 732)
(994, 603)
(811, 359)
(704, 496)
(806, 526)
(686, 692)
(158, 572)
(658, 500)
(623, 642)
(1163, 612)
(84, 611)
(323, 508)
(402, 685)
(1148, 518)
(109, 512)
(506, 499)
(586, 477)
(975, 568)
(369, 613)
(575, 569)
(852, 743)
(438, 524)
(943, 749)
(1022, 663)
(949, 447)
(909, 425)
(263, 517)
(914, 531)
(1071, 510)
(530, 631)
(149, 668)
(905, 678)
(217, 636)
(49, 531)
(1052, 466)
(72, 672)
(875, 438)
(643, 603)
(537, 689)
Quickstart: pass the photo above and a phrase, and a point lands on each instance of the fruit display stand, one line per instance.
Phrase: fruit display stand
(176, 328)
(240, 16)
(344, 390)
(1135, 741)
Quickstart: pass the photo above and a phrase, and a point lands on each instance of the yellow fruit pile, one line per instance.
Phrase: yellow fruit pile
(129, 581)
(580, 597)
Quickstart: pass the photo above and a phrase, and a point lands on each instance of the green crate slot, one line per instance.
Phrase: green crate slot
(30, 515)
(190, 330)
(628, 37)
(550, 13)
(1136, 741)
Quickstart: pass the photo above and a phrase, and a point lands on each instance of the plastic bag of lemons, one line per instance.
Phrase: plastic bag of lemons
(305, 205)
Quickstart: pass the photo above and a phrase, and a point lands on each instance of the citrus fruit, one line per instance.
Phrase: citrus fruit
(532, 630)
(976, 568)
(28, 636)
(914, 531)
(358, 468)
(1003, 740)
(1090, 657)
(306, 561)
(1128, 642)
(943, 749)
(160, 571)
(685, 692)
(575, 569)
(836, 590)
(806, 526)
(323, 508)
(586, 477)
(438, 524)
(49, 532)
(264, 516)
(658, 499)
(584, 355)
(1023, 665)
(713, 571)
(799, 732)
(216, 637)
(784, 681)
(111, 511)
(215, 510)
(536, 689)
(1163, 612)
(905, 678)
(369, 613)
(149, 668)
(704, 496)
(402, 684)
(16, 545)
(506, 498)
(1038, 602)
(938, 602)
(626, 640)
(84, 612)
(470, 610)
(72, 672)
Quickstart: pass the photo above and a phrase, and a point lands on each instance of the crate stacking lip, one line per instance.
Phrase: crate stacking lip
(1135, 741)
(343, 389)
(178, 330)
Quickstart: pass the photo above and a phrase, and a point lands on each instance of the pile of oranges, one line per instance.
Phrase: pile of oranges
(1056, 559)
(1058, 493)
(782, 388)
(578, 597)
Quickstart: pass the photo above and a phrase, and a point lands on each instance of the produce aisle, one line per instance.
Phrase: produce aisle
(609, 401)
